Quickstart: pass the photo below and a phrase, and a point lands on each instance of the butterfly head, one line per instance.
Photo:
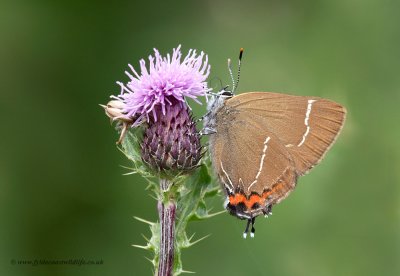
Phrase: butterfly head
(217, 99)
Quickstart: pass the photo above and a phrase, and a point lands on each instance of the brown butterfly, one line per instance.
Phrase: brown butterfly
(261, 142)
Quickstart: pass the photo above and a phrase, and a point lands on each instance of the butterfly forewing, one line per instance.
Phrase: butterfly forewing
(305, 126)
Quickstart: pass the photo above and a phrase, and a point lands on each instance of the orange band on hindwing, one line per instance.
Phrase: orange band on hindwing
(253, 199)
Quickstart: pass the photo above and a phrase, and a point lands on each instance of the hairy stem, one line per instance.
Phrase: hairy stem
(166, 212)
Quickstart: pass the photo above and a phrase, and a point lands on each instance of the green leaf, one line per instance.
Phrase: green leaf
(130, 147)
(191, 206)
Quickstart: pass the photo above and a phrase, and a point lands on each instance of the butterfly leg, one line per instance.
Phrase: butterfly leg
(267, 211)
(207, 131)
(199, 119)
(203, 117)
(253, 230)
(247, 228)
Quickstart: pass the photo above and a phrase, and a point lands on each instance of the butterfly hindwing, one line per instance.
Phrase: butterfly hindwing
(250, 158)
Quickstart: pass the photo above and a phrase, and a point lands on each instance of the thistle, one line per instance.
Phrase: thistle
(158, 133)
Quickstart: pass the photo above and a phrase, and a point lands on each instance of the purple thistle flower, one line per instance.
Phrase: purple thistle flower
(170, 143)
(167, 79)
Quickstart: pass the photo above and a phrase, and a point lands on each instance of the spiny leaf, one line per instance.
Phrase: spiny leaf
(192, 206)
(198, 240)
(146, 247)
(143, 220)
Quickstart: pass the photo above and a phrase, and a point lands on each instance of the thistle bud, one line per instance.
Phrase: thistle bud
(171, 144)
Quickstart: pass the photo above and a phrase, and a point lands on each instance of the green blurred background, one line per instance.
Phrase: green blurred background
(62, 192)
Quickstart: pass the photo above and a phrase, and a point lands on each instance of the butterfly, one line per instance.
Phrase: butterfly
(261, 142)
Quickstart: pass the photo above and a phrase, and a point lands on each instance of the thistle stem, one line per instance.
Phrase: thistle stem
(166, 212)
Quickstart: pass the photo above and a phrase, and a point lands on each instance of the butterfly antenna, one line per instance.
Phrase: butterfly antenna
(238, 74)
(231, 74)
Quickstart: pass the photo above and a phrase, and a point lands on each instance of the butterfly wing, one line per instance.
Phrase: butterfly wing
(249, 158)
(306, 126)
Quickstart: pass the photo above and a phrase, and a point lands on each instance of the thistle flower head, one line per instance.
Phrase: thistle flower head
(170, 144)
(167, 81)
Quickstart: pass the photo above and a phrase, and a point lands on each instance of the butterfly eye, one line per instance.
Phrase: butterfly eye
(226, 93)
